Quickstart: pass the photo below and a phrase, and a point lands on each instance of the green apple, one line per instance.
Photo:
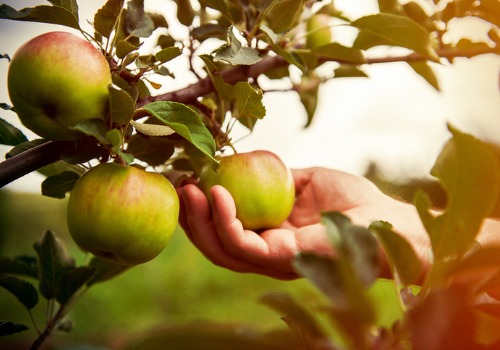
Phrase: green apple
(57, 80)
(122, 213)
(260, 183)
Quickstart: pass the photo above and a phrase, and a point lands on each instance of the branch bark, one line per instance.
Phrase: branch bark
(24, 163)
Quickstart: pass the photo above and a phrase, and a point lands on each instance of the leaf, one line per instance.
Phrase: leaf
(219, 5)
(106, 17)
(168, 54)
(137, 22)
(57, 186)
(93, 127)
(248, 104)
(404, 262)
(465, 167)
(185, 12)
(308, 93)
(349, 71)
(337, 282)
(71, 281)
(426, 72)
(70, 5)
(235, 53)
(8, 328)
(391, 29)
(224, 90)
(152, 150)
(10, 135)
(337, 52)
(104, 270)
(123, 49)
(185, 121)
(291, 309)
(300, 321)
(356, 245)
(289, 56)
(284, 15)
(22, 265)
(24, 291)
(23, 147)
(121, 105)
(152, 129)
(42, 14)
(53, 261)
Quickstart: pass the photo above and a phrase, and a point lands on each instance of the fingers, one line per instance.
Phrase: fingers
(221, 238)
(198, 224)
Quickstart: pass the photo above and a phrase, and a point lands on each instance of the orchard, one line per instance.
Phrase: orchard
(119, 110)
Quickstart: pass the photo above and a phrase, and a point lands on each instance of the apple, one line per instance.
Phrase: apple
(122, 213)
(260, 183)
(57, 80)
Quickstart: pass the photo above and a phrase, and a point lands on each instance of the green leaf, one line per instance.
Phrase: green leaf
(168, 54)
(356, 245)
(121, 105)
(93, 127)
(404, 262)
(337, 52)
(58, 185)
(24, 146)
(10, 135)
(71, 281)
(24, 291)
(137, 22)
(235, 53)
(22, 265)
(466, 167)
(53, 261)
(224, 90)
(86, 149)
(426, 72)
(70, 5)
(290, 56)
(349, 71)
(248, 105)
(106, 17)
(123, 49)
(284, 15)
(42, 14)
(104, 270)
(219, 5)
(301, 322)
(395, 30)
(308, 93)
(8, 328)
(152, 150)
(336, 281)
(185, 121)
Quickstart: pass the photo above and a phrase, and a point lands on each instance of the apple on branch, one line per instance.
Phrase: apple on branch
(57, 80)
(260, 183)
(122, 213)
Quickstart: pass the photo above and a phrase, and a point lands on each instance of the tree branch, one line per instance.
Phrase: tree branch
(24, 163)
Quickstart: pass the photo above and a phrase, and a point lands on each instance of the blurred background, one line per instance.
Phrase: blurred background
(389, 127)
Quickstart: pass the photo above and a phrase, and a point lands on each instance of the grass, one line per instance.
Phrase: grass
(180, 287)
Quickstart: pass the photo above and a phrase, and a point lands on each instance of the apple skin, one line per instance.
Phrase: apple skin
(57, 80)
(261, 185)
(122, 213)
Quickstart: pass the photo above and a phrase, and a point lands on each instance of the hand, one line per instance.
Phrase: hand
(219, 235)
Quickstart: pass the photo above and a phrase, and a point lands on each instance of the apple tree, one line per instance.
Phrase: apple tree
(179, 132)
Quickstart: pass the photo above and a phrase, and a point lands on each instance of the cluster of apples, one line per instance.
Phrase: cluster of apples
(117, 212)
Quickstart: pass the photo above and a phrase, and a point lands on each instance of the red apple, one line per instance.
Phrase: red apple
(260, 183)
(57, 80)
(122, 213)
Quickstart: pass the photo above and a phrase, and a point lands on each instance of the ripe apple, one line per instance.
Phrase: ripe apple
(260, 183)
(122, 213)
(57, 80)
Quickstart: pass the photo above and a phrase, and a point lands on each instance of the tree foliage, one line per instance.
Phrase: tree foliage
(176, 132)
